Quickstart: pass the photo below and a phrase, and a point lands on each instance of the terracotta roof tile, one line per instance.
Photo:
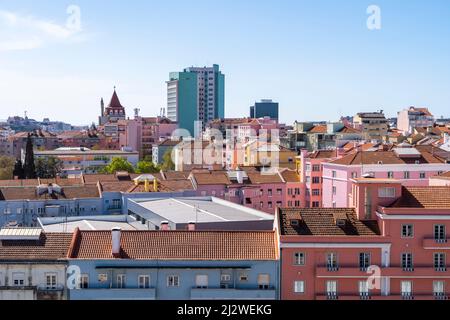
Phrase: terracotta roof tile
(259, 178)
(69, 192)
(290, 176)
(178, 245)
(424, 197)
(319, 129)
(211, 178)
(51, 246)
(322, 222)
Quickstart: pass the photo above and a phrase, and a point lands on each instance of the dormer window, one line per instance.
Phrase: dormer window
(295, 222)
(341, 222)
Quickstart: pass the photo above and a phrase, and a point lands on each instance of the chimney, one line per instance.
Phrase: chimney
(191, 226)
(165, 226)
(116, 234)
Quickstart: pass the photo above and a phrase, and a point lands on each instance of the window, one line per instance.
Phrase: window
(406, 175)
(225, 277)
(407, 231)
(279, 192)
(84, 282)
(363, 288)
(316, 180)
(243, 277)
(316, 167)
(386, 192)
(264, 281)
(406, 288)
(407, 261)
(121, 279)
(390, 175)
(316, 192)
(422, 175)
(315, 204)
(270, 205)
(299, 258)
(144, 282)
(279, 204)
(439, 262)
(269, 192)
(299, 286)
(364, 261)
(334, 174)
(332, 263)
(102, 277)
(201, 281)
(332, 288)
(439, 288)
(439, 233)
(50, 281)
(354, 175)
(297, 191)
(173, 281)
(19, 279)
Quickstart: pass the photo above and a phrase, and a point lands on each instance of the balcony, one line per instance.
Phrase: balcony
(432, 243)
(341, 271)
(113, 294)
(232, 294)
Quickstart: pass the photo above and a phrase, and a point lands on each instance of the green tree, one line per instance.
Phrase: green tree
(48, 168)
(168, 164)
(146, 167)
(29, 167)
(6, 167)
(118, 164)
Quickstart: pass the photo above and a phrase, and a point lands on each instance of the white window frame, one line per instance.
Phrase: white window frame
(84, 282)
(144, 281)
(386, 192)
(299, 258)
(411, 227)
(299, 287)
(408, 285)
(52, 284)
(20, 278)
(173, 281)
(121, 281)
(439, 288)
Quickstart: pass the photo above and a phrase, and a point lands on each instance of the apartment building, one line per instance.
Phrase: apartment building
(175, 265)
(389, 244)
(411, 165)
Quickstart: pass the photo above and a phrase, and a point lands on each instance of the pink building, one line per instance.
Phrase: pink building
(390, 244)
(311, 172)
(411, 166)
(141, 133)
(251, 188)
(413, 117)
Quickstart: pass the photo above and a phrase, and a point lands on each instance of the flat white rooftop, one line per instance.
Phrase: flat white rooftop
(201, 209)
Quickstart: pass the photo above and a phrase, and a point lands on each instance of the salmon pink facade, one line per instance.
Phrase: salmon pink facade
(391, 243)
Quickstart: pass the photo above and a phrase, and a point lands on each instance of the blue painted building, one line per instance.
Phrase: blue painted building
(175, 265)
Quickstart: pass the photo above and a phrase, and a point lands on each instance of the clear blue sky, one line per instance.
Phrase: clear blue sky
(317, 57)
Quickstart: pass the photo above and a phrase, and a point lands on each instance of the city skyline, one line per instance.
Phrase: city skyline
(267, 52)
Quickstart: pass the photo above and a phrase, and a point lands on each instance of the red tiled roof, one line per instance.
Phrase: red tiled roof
(424, 197)
(290, 176)
(323, 154)
(115, 102)
(211, 178)
(177, 245)
(319, 129)
(259, 178)
(69, 192)
(386, 157)
(50, 247)
(322, 222)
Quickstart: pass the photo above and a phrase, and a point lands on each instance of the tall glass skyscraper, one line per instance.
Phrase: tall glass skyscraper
(196, 94)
